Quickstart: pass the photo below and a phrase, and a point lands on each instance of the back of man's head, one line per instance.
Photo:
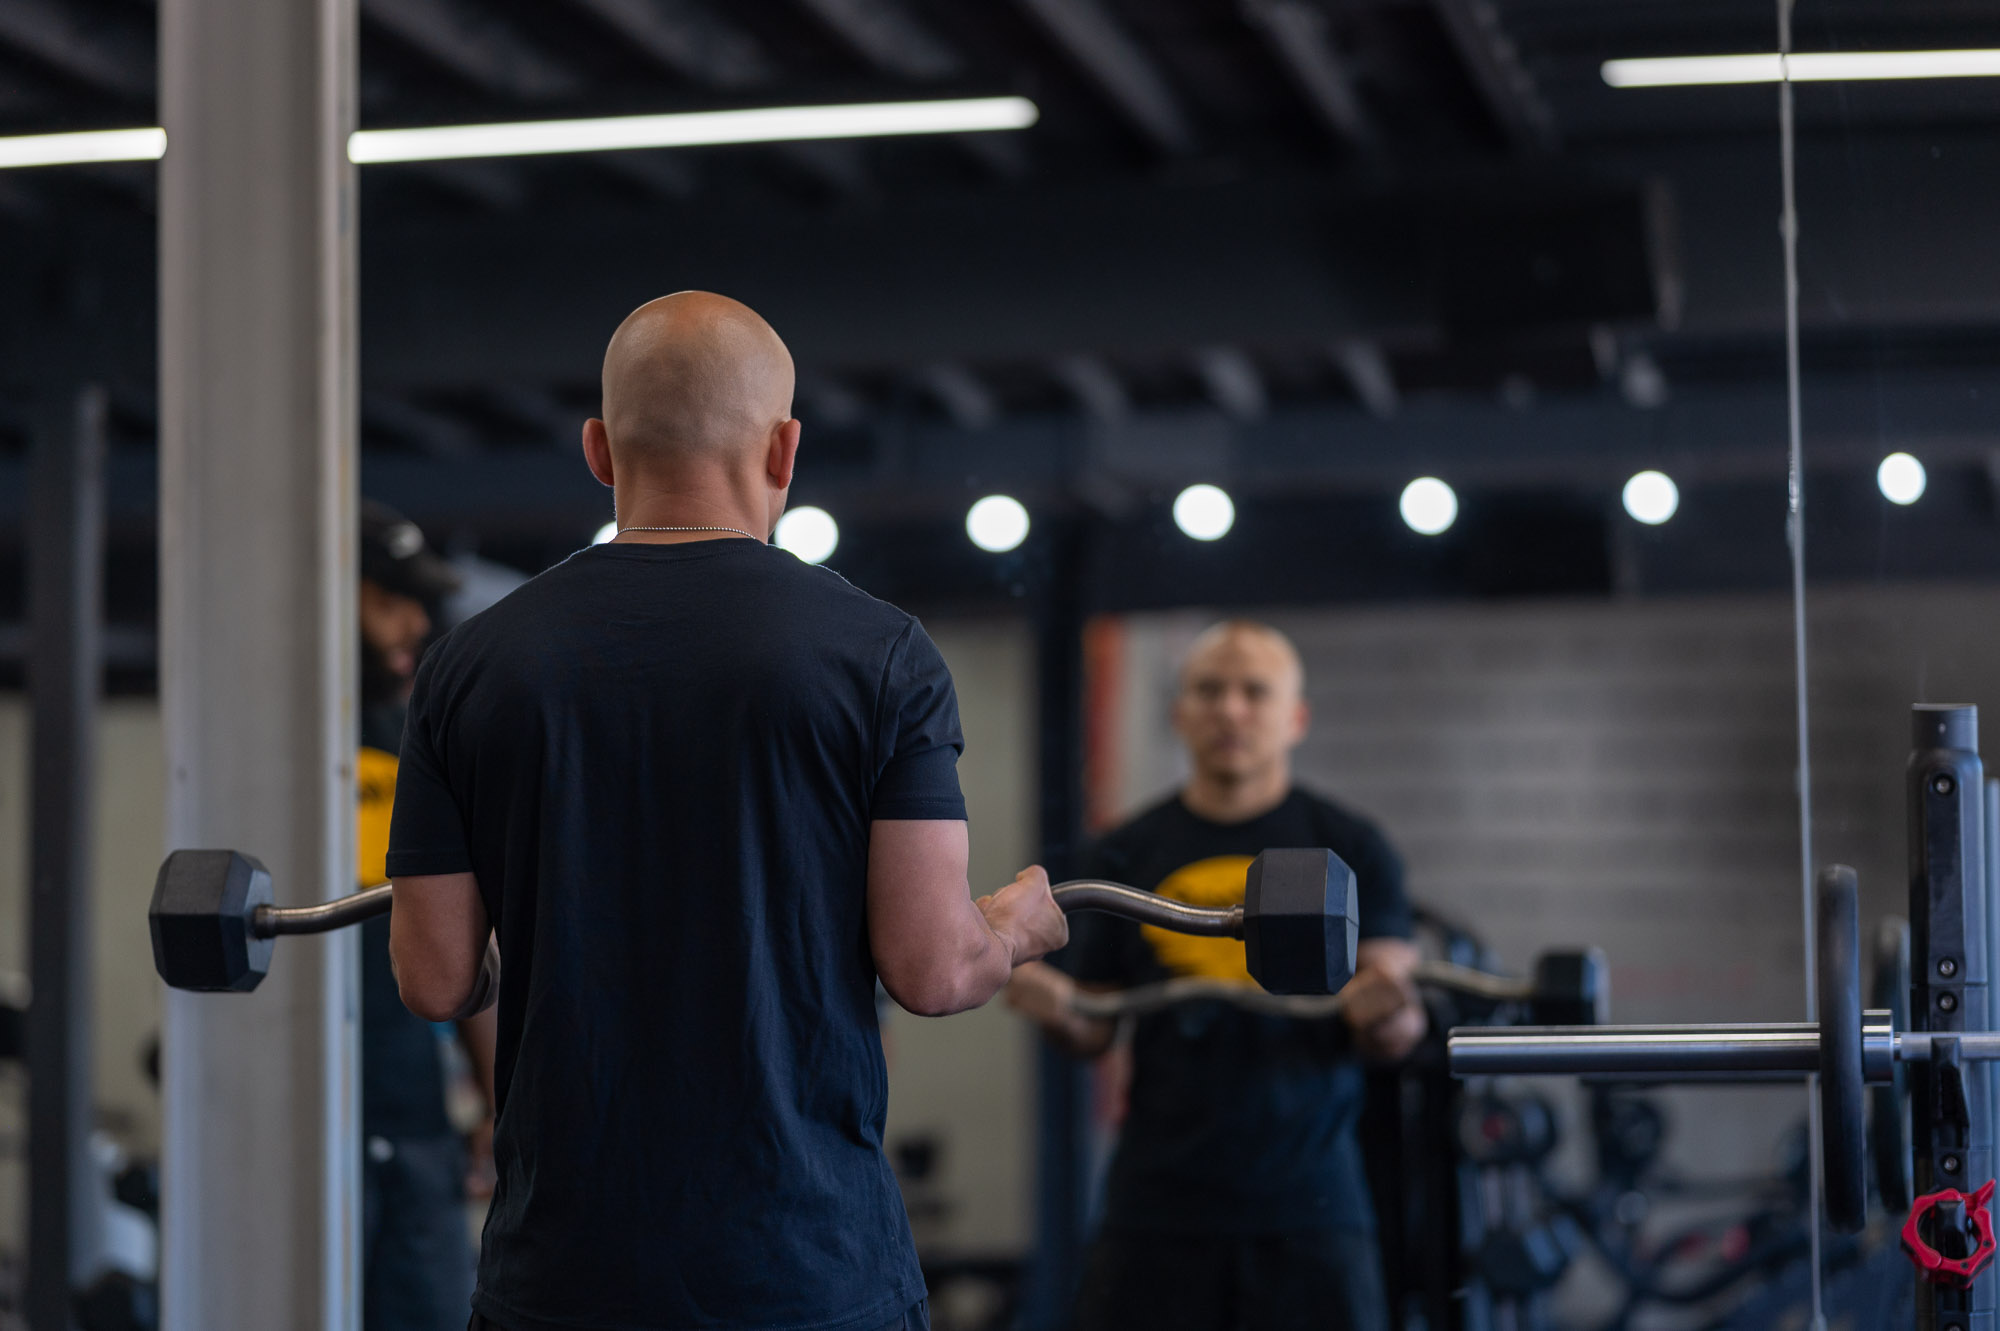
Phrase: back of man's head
(693, 380)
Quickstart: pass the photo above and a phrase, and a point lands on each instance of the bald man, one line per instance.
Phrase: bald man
(1237, 1199)
(678, 802)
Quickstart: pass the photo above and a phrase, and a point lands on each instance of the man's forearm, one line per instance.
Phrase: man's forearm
(956, 978)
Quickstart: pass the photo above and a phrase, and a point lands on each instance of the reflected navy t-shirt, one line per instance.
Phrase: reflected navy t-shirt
(1237, 1122)
(661, 762)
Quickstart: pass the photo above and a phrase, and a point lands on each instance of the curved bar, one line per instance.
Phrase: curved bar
(270, 921)
(1165, 994)
(1149, 908)
(1477, 983)
(1657, 1052)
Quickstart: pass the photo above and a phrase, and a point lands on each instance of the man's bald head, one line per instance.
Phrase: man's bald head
(1237, 639)
(693, 378)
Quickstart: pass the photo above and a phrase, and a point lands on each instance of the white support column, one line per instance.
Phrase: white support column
(260, 1218)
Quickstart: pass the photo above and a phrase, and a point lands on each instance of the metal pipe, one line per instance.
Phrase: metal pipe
(1150, 908)
(270, 921)
(1652, 1051)
(1973, 1046)
(1476, 983)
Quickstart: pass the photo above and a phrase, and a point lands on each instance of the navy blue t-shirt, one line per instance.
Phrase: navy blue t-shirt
(1237, 1122)
(661, 763)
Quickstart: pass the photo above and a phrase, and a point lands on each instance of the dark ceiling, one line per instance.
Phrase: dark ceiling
(1302, 246)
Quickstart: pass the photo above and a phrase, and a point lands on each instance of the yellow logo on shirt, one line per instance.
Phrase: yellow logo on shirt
(1213, 882)
(375, 771)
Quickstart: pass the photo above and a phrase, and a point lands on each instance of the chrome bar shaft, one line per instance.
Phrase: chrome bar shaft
(1150, 908)
(270, 921)
(1646, 1051)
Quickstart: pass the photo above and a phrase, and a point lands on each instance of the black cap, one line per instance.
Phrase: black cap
(395, 557)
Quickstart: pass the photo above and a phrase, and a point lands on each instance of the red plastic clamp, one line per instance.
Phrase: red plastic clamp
(1933, 1265)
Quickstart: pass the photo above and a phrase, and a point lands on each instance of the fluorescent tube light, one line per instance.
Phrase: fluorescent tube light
(103, 145)
(1812, 67)
(694, 128)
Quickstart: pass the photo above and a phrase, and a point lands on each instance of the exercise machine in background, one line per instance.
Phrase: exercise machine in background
(1943, 1047)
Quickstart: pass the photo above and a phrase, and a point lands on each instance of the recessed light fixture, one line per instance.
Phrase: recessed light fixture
(1205, 512)
(1901, 479)
(682, 129)
(1428, 505)
(1684, 71)
(810, 533)
(1652, 497)
(997, 523)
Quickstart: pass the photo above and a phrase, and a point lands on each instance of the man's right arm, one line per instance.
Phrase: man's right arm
(938, 950)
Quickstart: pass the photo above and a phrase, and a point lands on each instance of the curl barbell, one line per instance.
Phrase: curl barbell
(214, 923)
(1567, 987)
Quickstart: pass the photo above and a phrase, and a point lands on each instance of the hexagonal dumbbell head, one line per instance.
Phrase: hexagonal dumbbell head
(1299, 921)
(203, 905)
(1571, 989)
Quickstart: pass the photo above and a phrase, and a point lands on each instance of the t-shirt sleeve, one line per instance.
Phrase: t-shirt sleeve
(920, 736)
(426, 829)
(1378, 879)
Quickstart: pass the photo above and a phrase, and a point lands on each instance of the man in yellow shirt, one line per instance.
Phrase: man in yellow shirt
(416, 1250)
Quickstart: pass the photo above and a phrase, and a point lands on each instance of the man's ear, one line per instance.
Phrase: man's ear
(783, 453)
(597, 450)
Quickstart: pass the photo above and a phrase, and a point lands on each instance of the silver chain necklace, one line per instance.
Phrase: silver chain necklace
(738, 530)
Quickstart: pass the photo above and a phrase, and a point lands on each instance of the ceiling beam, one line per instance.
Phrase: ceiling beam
(1120, 270)
(1121, 72)
(689, 39)
(830, 402)
(493, 184)
(1709, 432)
(1231, 380)
(839, 166)
(1300, 35)
(662, 172)
(106, 57)
(888, 37)
(1368, 375)
(1494, 64)
(431, 433)
(538, 409)
(474, 46)
(893, 41)
(1095, 386)
(965, 399)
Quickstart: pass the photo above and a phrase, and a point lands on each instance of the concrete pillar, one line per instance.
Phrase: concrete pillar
(260, 1212)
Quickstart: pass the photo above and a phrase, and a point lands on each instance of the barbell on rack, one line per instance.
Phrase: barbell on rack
(1847, 1048)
